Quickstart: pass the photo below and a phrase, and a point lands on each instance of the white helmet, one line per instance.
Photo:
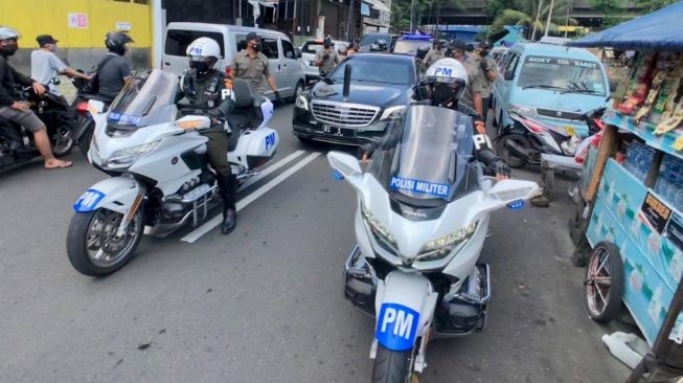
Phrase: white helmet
(203, 54)
(448, 78)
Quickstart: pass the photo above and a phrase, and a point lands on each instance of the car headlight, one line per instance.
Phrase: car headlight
(130, 155)
(380, 232)
(393, 112)
(523, 109)
(441, 247)
(302, 102)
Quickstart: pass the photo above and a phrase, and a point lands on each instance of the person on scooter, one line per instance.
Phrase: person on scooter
(113, 70)
(17, 111)
(446, 80)
(202, 87)
(46, 66)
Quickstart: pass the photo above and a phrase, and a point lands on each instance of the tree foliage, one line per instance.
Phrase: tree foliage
(523, 12)
(400, 10)
(653, 5)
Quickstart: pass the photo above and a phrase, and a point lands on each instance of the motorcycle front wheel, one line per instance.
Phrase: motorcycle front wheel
(92, 245)
(392, 366)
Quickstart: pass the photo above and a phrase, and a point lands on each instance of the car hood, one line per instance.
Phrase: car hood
(555, 100)
(366, 93)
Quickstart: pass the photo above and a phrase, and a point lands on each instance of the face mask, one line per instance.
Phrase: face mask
(483, 53)
(52, 48)
(443, 94)
(201, 66)
(255, 47)
(9, 50)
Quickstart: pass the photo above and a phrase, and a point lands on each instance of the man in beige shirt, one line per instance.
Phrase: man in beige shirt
(435, 54)
(486, 66)
(472, 96)
(250, 64)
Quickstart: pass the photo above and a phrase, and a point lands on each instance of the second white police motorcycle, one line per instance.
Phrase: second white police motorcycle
(159, 173)
(422, 218)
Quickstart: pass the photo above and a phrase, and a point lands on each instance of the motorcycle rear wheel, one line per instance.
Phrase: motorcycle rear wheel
(507, 156)
(95, 231)
(61, 140)
(392, 366)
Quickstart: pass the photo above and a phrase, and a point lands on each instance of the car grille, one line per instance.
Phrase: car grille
(558, 114)
(343, 114)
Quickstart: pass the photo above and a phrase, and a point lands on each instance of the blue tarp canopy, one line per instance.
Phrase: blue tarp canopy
(662, 29)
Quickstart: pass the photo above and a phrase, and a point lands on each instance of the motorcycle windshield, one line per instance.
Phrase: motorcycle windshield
(426, 158)
(144, 100)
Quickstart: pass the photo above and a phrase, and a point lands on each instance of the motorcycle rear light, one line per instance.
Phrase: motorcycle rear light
(228, 71)
(535, 127)
(82, 107)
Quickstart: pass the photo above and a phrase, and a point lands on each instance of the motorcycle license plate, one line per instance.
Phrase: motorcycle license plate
(341, 132)
(570, 130)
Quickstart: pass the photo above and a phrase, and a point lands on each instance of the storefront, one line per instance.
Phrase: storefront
(632, 194)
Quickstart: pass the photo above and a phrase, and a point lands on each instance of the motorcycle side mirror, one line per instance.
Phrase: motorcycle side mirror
(344, 164)
(513, 192)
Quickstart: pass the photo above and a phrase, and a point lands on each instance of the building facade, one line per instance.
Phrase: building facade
(80, 26)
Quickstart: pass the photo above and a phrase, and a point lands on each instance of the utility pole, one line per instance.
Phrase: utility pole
(349, 19)
(550, 16)
(294, 20)
(412, 11)
(538, 16)
(566, 26)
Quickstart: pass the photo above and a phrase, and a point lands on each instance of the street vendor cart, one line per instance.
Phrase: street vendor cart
(632, 197)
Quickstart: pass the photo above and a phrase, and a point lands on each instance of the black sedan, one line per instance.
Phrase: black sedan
(380, 87)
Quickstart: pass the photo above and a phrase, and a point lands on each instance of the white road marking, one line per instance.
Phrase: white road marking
(277, 165)
(241, 204)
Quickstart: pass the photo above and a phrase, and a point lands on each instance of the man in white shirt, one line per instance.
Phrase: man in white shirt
(46, 66)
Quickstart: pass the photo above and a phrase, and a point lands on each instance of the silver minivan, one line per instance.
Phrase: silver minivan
(284, 64)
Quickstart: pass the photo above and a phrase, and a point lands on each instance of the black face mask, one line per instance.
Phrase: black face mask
(9, 50)
(201, 66)
(256, 47)
(443, 94)
(483, 53)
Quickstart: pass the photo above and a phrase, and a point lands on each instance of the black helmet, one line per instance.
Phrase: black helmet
(116, 42)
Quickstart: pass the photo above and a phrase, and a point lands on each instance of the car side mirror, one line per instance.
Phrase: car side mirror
(344, 165)
(509, 75)
(297, 53)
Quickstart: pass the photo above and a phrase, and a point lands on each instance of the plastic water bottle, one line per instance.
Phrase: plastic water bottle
(628, 348)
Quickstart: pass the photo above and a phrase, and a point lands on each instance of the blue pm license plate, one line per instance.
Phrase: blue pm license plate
(335, 131)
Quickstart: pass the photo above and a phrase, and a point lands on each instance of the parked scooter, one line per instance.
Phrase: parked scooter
(16, 143)
(84, 125)
(528, 139)
(552, 163)
(160, 176)
(422, 218)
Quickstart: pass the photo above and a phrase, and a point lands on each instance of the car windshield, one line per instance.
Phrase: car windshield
(372, 38)
(148, 98)
(410, 47)
(312, 47)
(426, 159)
(376, 68)
(568, 75)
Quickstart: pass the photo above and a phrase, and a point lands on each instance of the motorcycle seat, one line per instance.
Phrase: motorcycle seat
(247, 104)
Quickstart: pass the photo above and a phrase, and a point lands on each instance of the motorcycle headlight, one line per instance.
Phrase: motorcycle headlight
(130, 155)
(302, 102)
(441, 247)
(393, 112)
(523, 109)
(380, 232)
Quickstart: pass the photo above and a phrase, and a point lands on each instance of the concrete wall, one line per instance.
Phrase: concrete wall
(81, 46)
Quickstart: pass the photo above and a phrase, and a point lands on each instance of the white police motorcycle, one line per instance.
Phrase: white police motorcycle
(159, 174)
(422, 218)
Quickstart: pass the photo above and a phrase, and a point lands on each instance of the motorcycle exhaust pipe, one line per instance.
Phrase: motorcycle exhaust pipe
(517, 150)
(347, 82)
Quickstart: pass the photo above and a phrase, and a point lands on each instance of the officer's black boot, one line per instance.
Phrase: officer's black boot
(227, 192)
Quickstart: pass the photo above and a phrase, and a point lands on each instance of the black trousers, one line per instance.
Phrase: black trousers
(485, 105)
(217, 153)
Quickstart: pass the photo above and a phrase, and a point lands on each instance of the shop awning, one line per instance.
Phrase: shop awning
(378, 5)
(661, 29)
